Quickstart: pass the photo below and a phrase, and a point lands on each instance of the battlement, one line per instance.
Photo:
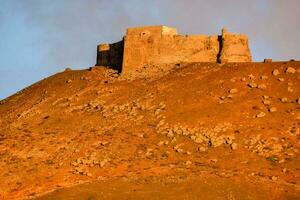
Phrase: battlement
(155, 45)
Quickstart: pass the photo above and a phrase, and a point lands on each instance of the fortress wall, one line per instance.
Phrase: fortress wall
(141, 50)
(110, 55)
(235, 48)
(157, 45)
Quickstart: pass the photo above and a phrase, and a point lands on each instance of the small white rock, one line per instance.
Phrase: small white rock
(290, 70)
(261, 114)
(275, 72)
(273, 109)
(233, 91)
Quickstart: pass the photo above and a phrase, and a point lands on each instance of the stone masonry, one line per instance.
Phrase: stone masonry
(156, 45)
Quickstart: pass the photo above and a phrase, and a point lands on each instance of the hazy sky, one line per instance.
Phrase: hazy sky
(42, 37)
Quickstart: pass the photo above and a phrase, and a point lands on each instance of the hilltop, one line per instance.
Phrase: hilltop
(199, 130)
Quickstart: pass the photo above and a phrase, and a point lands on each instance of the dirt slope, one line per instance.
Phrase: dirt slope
(202, 130)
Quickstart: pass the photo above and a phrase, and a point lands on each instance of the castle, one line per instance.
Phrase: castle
(155, 45)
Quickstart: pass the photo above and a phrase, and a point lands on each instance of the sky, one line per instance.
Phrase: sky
(39, 38)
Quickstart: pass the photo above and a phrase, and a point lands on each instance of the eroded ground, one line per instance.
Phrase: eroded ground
(221, 131)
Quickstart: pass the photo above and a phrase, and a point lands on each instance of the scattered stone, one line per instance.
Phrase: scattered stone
(233, 91)
(232, 79)
(261, 114)
(273, 109)
(252, 85)
(290, 70)
(234, 146)
(188, 162)
(266, 97)
(294, 130)
(161, 143)
(275, 72)
(262, 86)
(229, 96)
(284, 170)
(264, 77)
(281, 161)
(251, 76)
(221, 101)
(281, 79)
(89, 174)
(298, 100)
(202, 149)
(69, 81)
(274, 178)
(290, 89)
(284, 100)
(266, 102)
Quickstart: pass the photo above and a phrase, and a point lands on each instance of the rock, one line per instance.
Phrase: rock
(266, 97)
(89, 174)
(233, 146)
(229, 96)
(188, 162)
(290, 89)
(298, 100)
(170, 134)
(284, 170)
(266, 102)
(233, 91)
(281, 161)
(261, 114)
(69, 81)
(273, 109)
(275, 72)
(280, 79)
(103, 162)
(290, 70)
(274, 178)
(252, 85)
(202, 149)
(262, 86)
(251, 76)
(161, 143)
(284, 100)
(264, 77)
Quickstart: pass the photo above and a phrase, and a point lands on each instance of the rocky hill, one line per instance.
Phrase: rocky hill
(196, 131)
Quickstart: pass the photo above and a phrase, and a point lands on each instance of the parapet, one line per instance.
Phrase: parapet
(151, 31)
(158, 45)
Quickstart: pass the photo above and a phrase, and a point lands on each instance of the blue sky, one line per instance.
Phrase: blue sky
(42, 37)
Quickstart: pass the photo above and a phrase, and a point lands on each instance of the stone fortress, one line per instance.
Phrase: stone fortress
(158, 45)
